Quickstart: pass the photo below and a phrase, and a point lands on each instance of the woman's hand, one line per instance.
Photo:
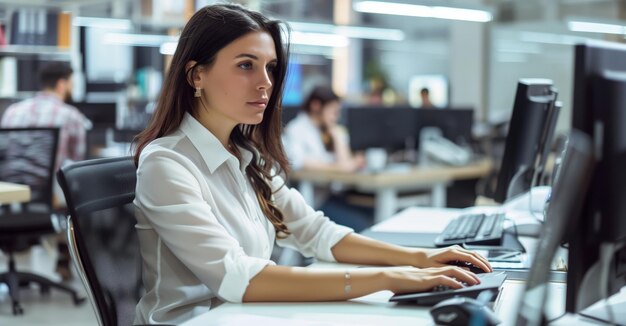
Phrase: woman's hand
(405, 280)
(449, 255)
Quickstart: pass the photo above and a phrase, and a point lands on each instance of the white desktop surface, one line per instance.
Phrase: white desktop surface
(387, 184)
(418, 219)
(373, 309)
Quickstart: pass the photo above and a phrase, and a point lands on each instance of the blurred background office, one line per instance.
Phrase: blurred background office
(369, 52)
(375, 55)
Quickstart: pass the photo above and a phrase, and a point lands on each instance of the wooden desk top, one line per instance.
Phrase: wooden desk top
(417, 174)
(13, 193)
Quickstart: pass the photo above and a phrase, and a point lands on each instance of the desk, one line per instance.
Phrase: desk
(373, 309)
(386, 185)
(13, 193)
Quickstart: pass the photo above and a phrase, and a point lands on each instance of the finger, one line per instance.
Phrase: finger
(470, 258)
(483, 259)
(455, 255)
(479, 257)
(447, 281)
(461, 274)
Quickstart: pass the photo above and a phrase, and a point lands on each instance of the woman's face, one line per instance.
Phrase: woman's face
(237, 87)
(330, 113)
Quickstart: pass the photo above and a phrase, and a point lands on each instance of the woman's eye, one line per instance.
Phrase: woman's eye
(270, 68)
(245, 65)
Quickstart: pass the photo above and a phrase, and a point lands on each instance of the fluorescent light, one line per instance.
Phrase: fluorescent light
(350, 31)
(319, 39)
(137, 39)
(167, 44)
(108, 23)
(580, 26)
(402, 9)
(168, 48)
(461, 14)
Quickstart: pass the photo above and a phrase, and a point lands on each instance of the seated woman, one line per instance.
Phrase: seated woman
(210, 202)
(315, 141)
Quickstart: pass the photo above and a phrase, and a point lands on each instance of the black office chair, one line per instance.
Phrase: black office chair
(27, 156)
(98, 194)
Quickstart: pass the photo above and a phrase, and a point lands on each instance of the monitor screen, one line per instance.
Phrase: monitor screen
(571, 183)
(597, 265)
(534, 100)
(390, 127)
(106, 60)
(102, 115)
(455, 124)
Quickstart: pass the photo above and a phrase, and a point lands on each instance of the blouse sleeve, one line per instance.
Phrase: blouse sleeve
(171, 198)
(312, 233)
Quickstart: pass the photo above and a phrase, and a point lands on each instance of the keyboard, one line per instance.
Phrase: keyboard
(488, 282)
(474, 229)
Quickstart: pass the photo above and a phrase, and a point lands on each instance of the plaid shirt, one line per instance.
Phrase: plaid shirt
(47, 110)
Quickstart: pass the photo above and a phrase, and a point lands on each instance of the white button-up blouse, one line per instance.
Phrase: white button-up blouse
(202, 233)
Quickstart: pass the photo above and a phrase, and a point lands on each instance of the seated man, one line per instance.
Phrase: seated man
(48, 109)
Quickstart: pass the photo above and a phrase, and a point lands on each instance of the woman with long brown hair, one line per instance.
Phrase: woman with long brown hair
(314, 140)
(210, 203)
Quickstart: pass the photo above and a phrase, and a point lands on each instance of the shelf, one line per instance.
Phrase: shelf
(28, 50)
(19, 96)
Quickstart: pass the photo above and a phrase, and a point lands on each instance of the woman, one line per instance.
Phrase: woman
(315, 141)
(314, 138)
(210, 204)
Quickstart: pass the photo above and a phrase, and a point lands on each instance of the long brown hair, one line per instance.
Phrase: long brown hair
(323, 95)
(208, 31)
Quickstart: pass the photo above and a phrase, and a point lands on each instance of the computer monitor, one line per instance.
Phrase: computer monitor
(597, 255)
(390, 127)
(455, 123)
(570, 185)
(527, 136)
(546, 143)
(102, 115)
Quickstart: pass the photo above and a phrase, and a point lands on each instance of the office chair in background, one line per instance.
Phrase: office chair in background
(27, 156)
(98, 193)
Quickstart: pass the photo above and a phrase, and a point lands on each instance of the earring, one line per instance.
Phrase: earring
(198, 92)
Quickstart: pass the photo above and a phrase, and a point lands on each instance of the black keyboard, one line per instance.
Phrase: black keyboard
(474, 229)
(488, 282)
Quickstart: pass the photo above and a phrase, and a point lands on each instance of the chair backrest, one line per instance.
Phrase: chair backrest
(28, 156)
(98, 193)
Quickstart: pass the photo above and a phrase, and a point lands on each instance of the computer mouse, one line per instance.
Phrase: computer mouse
(463, 311)
(472, 268)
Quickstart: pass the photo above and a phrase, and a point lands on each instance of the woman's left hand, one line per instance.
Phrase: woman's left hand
(450, 255)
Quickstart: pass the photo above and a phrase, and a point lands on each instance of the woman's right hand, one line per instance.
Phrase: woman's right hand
(407, 280)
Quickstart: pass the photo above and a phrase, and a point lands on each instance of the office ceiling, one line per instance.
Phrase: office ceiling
(504, 10)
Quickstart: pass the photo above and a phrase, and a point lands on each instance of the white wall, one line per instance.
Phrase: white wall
(467, 70)
(531, 50)
(409, 58)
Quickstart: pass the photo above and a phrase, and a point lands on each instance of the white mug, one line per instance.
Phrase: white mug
(375, 158)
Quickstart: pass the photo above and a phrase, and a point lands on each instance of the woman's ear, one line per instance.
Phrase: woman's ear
(193, 69)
